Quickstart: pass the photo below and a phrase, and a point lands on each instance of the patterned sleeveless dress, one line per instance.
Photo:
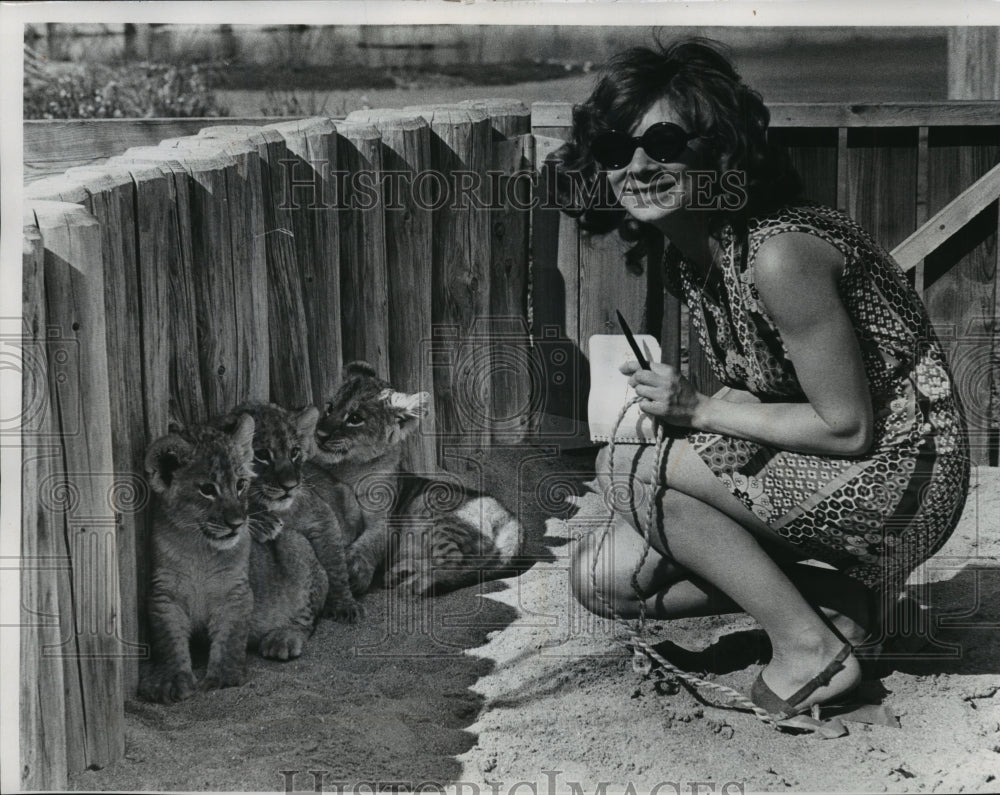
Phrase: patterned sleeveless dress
(874, 517)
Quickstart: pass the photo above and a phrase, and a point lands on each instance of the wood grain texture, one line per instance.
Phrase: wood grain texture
(364, 291)
(245, 201)
(460, 152)
(112, 202)
(508, 117)
(949, 219)
(960, 276)
(974, 63)
(512, 164)
(312, 145)
(555, 118)
(79, 496)
(814, 155)
(882, 182)
(51, 147)
(555, 289)
(406, 142)
(168, 290)
(289, 372)
(42, 707)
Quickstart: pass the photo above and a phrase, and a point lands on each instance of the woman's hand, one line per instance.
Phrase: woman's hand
(666, 394)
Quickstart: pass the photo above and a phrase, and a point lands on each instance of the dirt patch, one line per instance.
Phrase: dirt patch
(514, 682)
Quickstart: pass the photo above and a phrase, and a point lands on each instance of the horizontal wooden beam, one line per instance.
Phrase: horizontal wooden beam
(52, 146)
(949, 220)
(827, 114)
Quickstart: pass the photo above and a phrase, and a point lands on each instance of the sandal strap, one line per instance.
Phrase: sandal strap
(821, 679)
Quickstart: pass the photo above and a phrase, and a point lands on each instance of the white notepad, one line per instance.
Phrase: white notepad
(609, 390)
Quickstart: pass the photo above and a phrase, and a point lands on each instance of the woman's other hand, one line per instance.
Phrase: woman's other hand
(666, 394)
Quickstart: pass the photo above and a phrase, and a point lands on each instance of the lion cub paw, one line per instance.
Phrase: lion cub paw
(166, 687)
(282, 644)
(360, 572)
(346, 611)
(217, 680)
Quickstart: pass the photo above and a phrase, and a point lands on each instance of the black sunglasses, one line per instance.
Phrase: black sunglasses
(663, 141)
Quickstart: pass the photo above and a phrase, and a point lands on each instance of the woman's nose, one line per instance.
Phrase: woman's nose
(641, 162)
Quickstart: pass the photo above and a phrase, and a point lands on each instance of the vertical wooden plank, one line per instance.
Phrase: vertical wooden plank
(960, 277)
(460, 153)
(813, 152)
(289, 371)
(311, 188)
(511, 167)
(555, 302)
(211, 266)
(921, 201)
(112, 203)
(842, 176)
(511, 164)
(408, 231)
(167, 290)
(80, 494)
(974, 63)
(364, 297)
(245, 202)
(882, 181)
(42, 708)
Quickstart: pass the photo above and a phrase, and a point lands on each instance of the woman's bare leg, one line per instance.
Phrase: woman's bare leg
(714, 537)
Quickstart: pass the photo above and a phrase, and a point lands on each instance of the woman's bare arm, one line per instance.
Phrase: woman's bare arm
(796, 276)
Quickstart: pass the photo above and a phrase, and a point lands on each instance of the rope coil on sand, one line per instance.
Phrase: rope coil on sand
(734, 699)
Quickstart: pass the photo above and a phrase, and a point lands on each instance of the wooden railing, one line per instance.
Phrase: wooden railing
(171, 282)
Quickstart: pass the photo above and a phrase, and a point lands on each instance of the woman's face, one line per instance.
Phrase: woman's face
(651, 191)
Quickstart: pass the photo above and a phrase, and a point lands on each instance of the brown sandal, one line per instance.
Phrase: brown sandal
(781, 709)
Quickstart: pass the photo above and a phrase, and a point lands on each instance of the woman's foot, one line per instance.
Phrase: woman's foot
(797, 679)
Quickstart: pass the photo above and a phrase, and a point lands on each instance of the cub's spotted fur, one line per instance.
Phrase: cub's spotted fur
(280, 448)
(210, 577)
(201, 552)
(442, 535)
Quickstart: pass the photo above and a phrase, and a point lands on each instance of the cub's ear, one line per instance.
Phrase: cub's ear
(359, 368)
(242, 434)
(304, 422)
(165, 456)
(409, 409)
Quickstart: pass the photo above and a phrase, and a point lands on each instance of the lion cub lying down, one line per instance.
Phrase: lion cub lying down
(210, 576)
(427, 533)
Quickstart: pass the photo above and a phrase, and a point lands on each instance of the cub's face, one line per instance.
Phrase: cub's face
(280, 443)
(365, 419)
(203, 477)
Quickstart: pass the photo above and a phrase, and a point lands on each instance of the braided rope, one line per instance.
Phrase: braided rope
(733, 698)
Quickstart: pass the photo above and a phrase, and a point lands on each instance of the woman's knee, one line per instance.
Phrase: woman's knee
(594, 579)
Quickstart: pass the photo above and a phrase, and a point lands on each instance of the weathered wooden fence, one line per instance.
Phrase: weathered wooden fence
(248, 262)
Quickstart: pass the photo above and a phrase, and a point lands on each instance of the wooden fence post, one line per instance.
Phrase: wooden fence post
(408, 250)
(290, 378)
(364, 299)
(511, 170)
(43, 553)
(312, 148)
(974, 63)
(79, 493)
(555, 279)
(167, 290)
(460, 150)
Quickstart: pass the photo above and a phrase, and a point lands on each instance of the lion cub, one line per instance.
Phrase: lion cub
(209, 576)
(443, 535)
(280, 448)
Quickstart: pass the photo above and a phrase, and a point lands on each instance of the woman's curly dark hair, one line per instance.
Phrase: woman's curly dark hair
(699, 81)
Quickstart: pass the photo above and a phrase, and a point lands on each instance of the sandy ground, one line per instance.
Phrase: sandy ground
(490, 687)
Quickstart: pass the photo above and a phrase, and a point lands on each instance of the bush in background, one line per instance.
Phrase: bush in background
(137, 90)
